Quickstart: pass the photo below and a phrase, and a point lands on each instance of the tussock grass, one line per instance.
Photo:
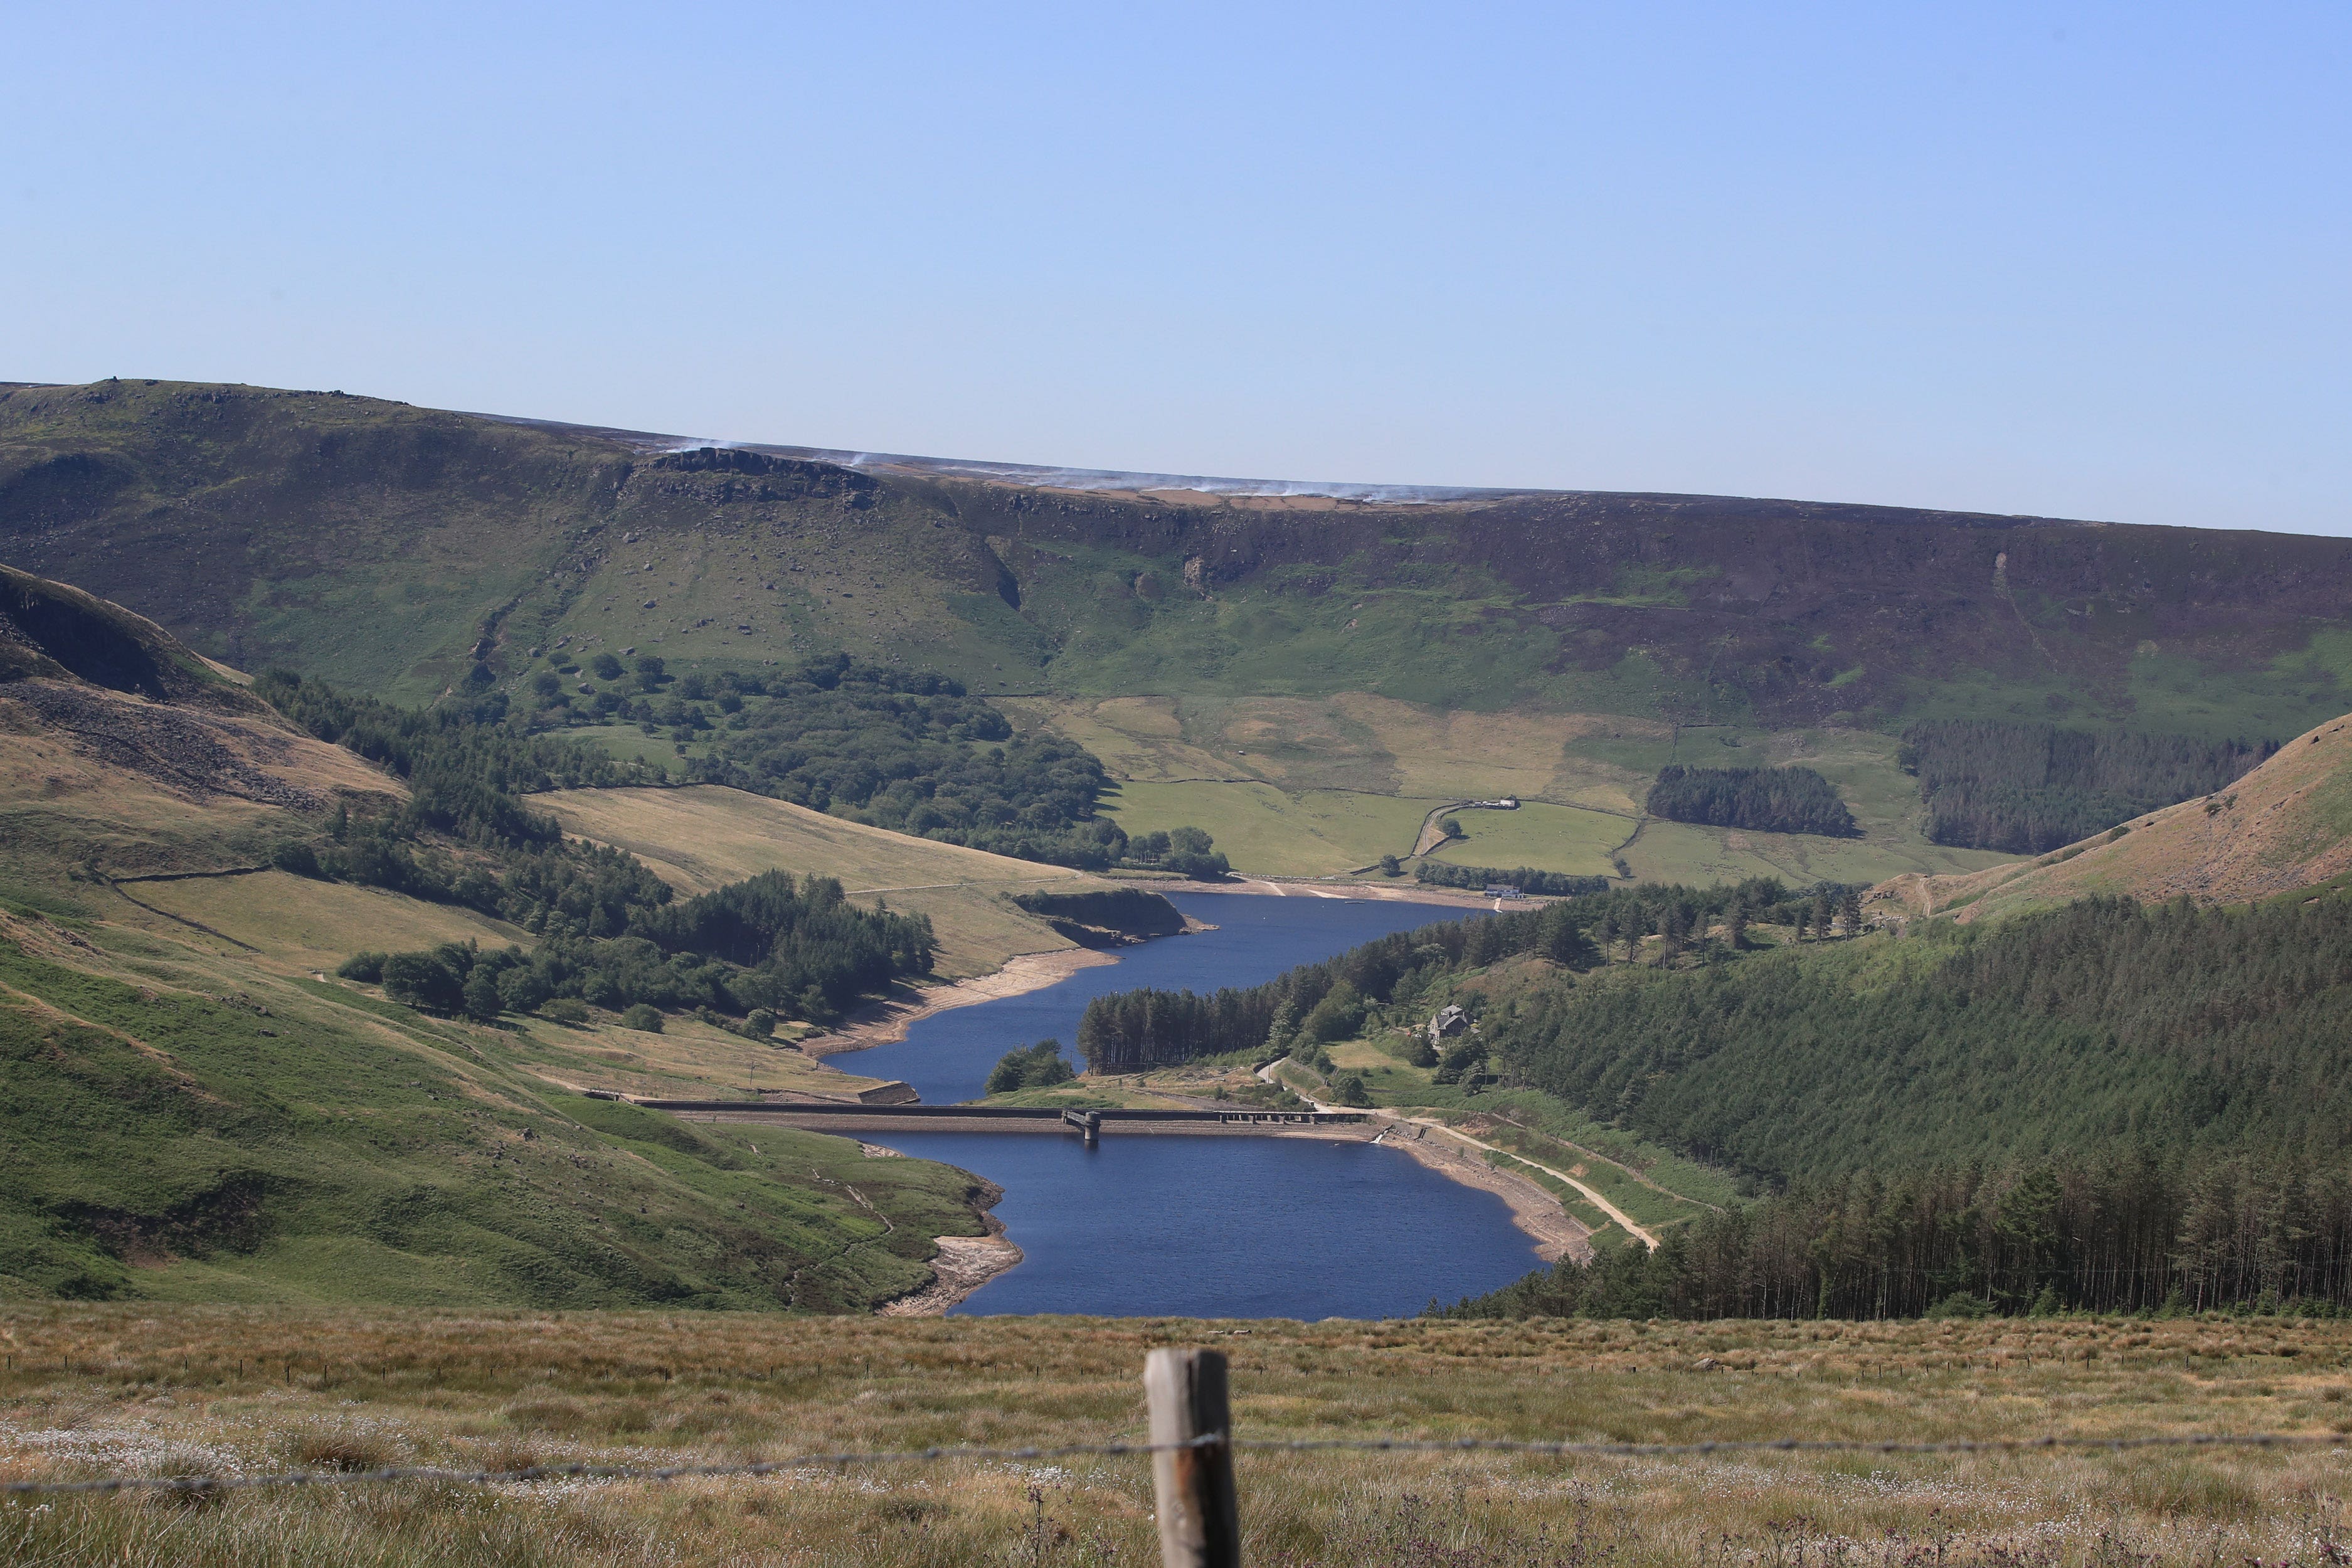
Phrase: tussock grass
(208, 1391)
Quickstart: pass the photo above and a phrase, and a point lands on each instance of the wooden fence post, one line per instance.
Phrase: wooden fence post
(1193, 1488)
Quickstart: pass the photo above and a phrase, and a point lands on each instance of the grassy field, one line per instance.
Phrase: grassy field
(1259, 828)
(1356, 740)
(631, 744)
(223, 1391)
(697, 839)
(1546, 838)
(183, 1118)
(1683, 852)
(1300, 787)
(301, 924)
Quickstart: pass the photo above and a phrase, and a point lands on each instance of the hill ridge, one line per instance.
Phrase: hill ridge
(394, 548)
(2281, 828)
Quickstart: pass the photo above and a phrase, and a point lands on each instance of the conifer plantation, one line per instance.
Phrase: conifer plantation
(1767, 800)
(2105, 1106)
(2026, 789)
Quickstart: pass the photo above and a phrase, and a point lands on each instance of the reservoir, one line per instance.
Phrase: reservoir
(1210, 1227)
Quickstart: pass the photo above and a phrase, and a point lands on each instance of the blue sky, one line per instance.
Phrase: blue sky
(2078, 260)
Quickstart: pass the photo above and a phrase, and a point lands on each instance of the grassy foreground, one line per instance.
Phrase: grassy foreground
(223, 1391)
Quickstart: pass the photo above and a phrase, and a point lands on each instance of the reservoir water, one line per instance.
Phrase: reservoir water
(1163, 1225)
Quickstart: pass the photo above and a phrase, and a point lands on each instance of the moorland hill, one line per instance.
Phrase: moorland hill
(191, 1107)
(2284, 828)
(1306, 672)
(396, 548)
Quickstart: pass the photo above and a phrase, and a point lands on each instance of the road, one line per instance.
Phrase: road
(1432, 835)
(1603, 1205)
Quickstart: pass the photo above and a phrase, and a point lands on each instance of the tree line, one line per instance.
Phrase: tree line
(1526, 879)
(2133, 1229)
(2071, 1029)
(465, 835)
(2025, 789)
(913, 751)
(743, 956)
(1137, 911)
(1769, 800)
(1128, 1030)
(1029, 1066)
(746, 954)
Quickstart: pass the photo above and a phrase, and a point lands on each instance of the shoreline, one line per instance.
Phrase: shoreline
(887, 1022)
(965, 1263)
(1403, 892)
(962, 1265)
(1536, 1211)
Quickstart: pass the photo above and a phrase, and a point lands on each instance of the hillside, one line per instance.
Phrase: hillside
(374, 543)
(700, 837)
(1263, 657)
(190, 1109)
(123, 752)
(2281, 828)
(2107, 1105)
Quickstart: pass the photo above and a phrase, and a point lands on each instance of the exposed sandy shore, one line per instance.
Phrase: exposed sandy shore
(881, 1023)
(965, 1263)
(1557, 1233)
(1314, 888)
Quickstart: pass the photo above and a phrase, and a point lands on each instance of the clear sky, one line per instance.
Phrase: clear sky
(2081, 260)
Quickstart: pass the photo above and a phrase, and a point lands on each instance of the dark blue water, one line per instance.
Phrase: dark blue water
(1279, 1227)
(1260, 1228)
(947, 1056)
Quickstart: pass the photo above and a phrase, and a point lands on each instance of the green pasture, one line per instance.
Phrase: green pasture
(1259, 828)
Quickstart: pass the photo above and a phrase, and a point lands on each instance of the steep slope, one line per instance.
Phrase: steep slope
(181, 1125)
(392, 547)
(699, 837)
(2285, 827)
(122, 753)
(190, 1109)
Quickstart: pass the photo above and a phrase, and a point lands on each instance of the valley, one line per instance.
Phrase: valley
(640, 709)
(798, 787)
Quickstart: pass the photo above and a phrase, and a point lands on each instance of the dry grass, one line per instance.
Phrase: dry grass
(2285, 827)
(688, 1059)
(163, 1393)
(307, 925)
(698, 838)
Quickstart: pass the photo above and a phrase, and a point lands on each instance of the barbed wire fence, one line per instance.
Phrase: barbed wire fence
(1192, 1449)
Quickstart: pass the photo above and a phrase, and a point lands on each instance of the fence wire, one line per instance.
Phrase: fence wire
(1540, 1448)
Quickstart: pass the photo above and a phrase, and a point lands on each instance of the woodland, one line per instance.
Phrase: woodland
(741, 957)
(2103, 1105)
(1766, 800)
(2026, 789)
(465, 835)
(2130, 1230)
